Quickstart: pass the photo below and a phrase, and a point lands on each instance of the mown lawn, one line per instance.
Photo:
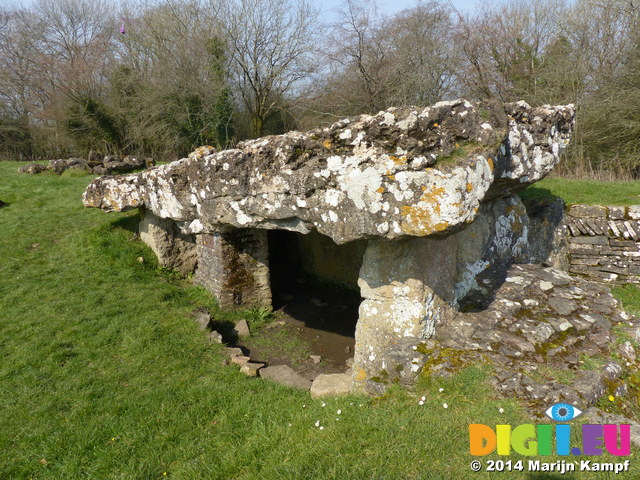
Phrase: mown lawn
(104, 374)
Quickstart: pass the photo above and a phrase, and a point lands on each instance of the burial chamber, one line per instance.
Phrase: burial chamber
(426, 194)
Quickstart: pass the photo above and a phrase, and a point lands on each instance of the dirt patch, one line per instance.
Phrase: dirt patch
(310, 321)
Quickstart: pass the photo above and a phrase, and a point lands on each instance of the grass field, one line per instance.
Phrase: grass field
(586, 191)
(105, 375)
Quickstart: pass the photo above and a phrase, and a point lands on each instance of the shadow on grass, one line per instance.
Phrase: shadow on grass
(129, 222)
(534, 194)
(227, 329)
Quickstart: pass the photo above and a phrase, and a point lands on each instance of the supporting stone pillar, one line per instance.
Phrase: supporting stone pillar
(407, 286)
(174, 249)
(234, 266)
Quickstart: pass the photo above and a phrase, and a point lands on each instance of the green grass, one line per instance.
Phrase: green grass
(585, 191)
(629, 295)
(105, 375)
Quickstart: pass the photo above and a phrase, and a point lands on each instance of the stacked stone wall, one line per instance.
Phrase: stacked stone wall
(604, 242)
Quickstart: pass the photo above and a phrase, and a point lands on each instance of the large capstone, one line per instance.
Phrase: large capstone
(403, 172)
(427, 193)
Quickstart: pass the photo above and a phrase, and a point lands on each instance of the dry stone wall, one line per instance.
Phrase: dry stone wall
(604, 242)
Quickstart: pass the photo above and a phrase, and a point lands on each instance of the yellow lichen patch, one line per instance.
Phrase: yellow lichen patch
(469, 187)
(424, 188)
(380, 190)
(361, 375)
(327, 144)
(398, 160)
(201, 152)
(391, 177)
(418, 220)
(490, 162)
(442, 226)
(436, 125)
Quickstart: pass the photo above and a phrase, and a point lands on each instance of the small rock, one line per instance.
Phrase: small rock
(331, 384)
(240, 360)
(215, 337)
(285, 375)
(315, 359)
(203, 319)
(621, 390)
(545, 286)
(562, 306)
(233, 352)
(35, 245)
(572, 359)
(627, 351)
(349, 362)
(251, 368)
(140, 259)
(347, 349)
(242, 329)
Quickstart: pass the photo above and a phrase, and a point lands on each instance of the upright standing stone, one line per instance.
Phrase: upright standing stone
(234, 266)
(174, 249)
(406, 286)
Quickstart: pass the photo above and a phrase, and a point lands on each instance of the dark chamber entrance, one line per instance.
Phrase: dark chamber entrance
(314, 286)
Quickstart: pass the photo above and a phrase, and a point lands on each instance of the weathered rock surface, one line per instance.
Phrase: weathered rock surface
(549, 335)
(32, 168)
(285, 375)
(548, 232)
(203, 319)
(215, 337)
(251, 369)
(403, 172)
(95, 164)
(241, 329)
(331, 384)
(174, 249)
(596, 416)
(234, 267)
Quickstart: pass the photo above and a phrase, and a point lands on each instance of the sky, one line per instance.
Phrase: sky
(393, 6)
(330, 6)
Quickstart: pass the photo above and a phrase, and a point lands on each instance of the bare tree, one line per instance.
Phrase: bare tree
(504, 47)
(358, 55)
(271, 45)
(426, 58)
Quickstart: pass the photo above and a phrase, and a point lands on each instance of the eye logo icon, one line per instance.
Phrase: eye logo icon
(563, 412)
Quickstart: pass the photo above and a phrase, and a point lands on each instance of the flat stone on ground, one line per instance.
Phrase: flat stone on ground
(285, 375)
(331, 384)
(251, 368)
